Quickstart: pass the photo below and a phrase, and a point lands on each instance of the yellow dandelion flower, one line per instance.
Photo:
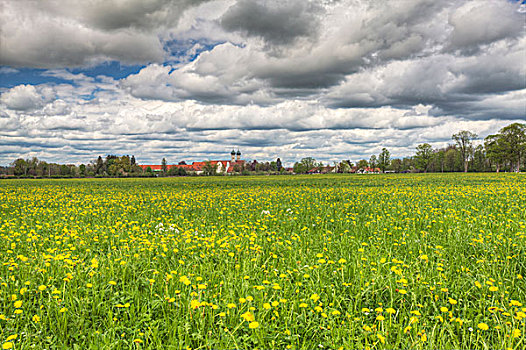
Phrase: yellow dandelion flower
(483, 326)
(194, 304)
(248, 316)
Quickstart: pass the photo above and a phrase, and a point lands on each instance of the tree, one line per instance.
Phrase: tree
(20, 167)
(408, 164)
(177, 171)
(132, 160)
(452, 159)
(308, 163)
(362, 164)
(396, 165)
(99, 165)
(514, 144)
(464, 140)
(82, 170)
(495, 150)
(373, 162)
(423, 156)
(344, 166)
(384, 159)
(298, 168)
(278, 164)
(164, 168)
(209, 168)
(440, 157)
(479, 159)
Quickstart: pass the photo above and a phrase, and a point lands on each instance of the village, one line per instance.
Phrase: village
(236, 165)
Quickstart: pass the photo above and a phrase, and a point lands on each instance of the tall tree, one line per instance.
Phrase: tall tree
(99, 166)
(464, 140)
(440, 157)
(424, 152)
(373, 161)
(495, 150)
(514, 143)
(132, 160)
(164, 168)
(278, 164)
(384, 159)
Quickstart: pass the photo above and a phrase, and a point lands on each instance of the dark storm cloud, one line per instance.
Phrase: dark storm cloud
(277, 22)
(48, 34)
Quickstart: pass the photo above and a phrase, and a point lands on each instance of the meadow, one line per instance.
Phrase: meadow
(285, 262)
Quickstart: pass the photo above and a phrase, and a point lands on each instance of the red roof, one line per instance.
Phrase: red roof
(195, 166)
(232, 164)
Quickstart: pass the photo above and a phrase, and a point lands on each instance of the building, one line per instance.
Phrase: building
(235, 164)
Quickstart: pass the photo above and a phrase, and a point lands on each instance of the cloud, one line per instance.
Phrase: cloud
(26, 97)
(454, 85)
(48, 34)
(8, 70)
(276, 22)
(477, 23)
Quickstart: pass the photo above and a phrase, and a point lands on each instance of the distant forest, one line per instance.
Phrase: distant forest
(503, 151)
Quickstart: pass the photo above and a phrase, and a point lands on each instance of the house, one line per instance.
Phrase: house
(322, 170)
(369, 170)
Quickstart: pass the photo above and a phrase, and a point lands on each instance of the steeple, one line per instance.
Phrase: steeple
(233, 155)
(238, 154)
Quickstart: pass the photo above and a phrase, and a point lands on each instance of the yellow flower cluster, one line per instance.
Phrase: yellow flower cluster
(328, 261)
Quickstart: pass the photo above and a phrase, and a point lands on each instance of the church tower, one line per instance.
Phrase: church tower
(233, 155)
(238, 156)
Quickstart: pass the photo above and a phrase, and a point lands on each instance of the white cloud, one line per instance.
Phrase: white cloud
(26, 97)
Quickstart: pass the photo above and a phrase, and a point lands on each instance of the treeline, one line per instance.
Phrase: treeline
(110, 166)
(504, 151)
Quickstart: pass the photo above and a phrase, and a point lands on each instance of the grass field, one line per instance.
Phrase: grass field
(328, 261)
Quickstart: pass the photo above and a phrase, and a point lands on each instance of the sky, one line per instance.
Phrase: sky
(190, 80)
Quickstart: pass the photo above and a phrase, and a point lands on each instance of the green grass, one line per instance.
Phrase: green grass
(323, 248)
